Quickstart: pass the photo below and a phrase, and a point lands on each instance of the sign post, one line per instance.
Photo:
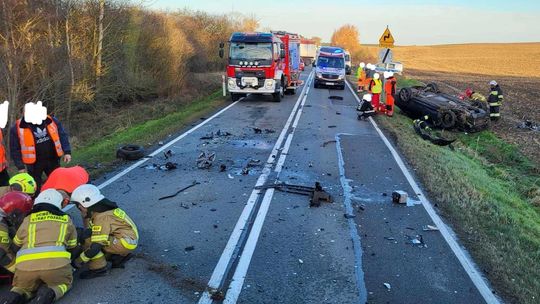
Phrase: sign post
(386, 42)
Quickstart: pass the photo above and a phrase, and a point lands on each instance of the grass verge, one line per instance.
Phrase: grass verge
(489, 193)
(99, 155)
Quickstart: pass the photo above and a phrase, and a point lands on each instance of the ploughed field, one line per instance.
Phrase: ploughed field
(457, 67)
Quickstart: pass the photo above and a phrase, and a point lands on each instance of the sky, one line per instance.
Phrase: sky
(412, 22)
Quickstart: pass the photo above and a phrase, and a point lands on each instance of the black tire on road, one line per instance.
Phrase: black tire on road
(432, 87)
(447, 118)
(405, 94)
(130, 152)
(236, 96)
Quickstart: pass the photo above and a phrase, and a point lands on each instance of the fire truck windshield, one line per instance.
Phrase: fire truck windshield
(330, 62)
(250, 51)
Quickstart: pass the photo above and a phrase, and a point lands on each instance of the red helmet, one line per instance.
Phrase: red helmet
(16, 202)
(469, 92)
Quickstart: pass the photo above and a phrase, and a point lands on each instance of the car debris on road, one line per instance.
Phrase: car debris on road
(179, 191)
(205, 160)
(316, 194)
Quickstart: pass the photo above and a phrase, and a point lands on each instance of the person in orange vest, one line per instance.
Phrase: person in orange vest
(390, 91)
(361, 74)
(4, 175)
(39, 148)
(375, 87)
(370, 71)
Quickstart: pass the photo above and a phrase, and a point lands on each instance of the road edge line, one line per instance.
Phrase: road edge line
(464, 258)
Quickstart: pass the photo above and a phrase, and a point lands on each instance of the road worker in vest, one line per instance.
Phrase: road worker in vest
(370, 71)
(4, 175)
(361, 75)
(38, 148)
(114, 235)
(14, 207)
(375, 87)
(46, 238)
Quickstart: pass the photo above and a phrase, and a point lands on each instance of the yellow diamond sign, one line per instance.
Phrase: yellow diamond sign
(386, 40)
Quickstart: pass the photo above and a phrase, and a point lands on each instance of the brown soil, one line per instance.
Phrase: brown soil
(521, 102)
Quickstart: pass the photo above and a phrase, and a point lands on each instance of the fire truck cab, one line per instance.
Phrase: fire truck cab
(259, 63)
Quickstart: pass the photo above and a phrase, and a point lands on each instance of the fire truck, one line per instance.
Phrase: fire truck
(262, 63)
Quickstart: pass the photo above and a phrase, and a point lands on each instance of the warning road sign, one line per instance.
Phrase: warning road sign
(386, 40)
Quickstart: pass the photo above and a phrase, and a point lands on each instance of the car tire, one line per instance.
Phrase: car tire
(432, 87)
(130, 152)
(405, 95)
(315, 84)
(342, 87)
(447, 118)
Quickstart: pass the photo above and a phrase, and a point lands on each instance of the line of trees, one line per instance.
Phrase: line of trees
(80, 54)
(348, 37)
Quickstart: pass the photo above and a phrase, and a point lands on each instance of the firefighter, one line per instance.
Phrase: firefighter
(23, 182)
(365, 109)
(4, 175)
(375, 87)
(114, 235)
(46, 239)
(474, 96)
(495, 100)
(14, 206)
(390, 91)
(361, 74)
(370, 71)
(39, 148)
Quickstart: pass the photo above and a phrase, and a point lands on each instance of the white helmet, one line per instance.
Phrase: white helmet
(362, 65)
(372, 67)
(376, 76)
(366, 97)
(388, 74)
(50, 196)
(87, 195)
(493, 83)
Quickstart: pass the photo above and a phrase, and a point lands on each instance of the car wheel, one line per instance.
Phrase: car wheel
(130, 152)
(447, 118)
(405, 94)
(432, 87)
(279, 94)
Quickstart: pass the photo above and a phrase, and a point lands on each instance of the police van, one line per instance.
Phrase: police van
(330, 68)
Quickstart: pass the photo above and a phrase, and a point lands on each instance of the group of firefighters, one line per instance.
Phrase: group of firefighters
(40, 247)
(369, 82)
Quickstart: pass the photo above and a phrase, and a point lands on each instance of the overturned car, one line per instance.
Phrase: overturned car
(444, 111)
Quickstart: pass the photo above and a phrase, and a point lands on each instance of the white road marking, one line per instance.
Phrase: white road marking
(235, 288)
(157, 151)
(226, 257)
(465, 260)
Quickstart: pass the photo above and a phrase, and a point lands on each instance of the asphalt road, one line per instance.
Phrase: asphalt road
(266, 246)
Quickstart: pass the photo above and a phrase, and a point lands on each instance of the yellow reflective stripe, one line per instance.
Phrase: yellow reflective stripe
(17, 241)
(3, 233)
(71, 243)
(98, 256)
(99, 237)
(61, 235)
(132, 224)
(63, 288)
(122, 215)
(46, 216)
(128, 245)
(31, 235)
(84, 258)
(43, 255)
(494, 93)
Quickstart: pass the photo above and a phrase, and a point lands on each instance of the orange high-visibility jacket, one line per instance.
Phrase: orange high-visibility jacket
(3, 159)
(28, 143)
(390, 86)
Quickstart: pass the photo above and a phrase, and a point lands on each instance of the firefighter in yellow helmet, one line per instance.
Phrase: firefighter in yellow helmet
(23, 182)
(114, 235)
(43, 264)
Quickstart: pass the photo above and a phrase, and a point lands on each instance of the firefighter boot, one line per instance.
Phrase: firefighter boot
(94, 273)
(13, 298)
(44, 295)
(119, 261)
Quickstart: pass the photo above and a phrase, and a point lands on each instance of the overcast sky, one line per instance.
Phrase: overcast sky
(414, 22)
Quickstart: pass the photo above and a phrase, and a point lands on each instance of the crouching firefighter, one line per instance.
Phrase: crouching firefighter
(113, 236)
(14, 207)
(495, 100)
(365, 109)
(46, 238)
